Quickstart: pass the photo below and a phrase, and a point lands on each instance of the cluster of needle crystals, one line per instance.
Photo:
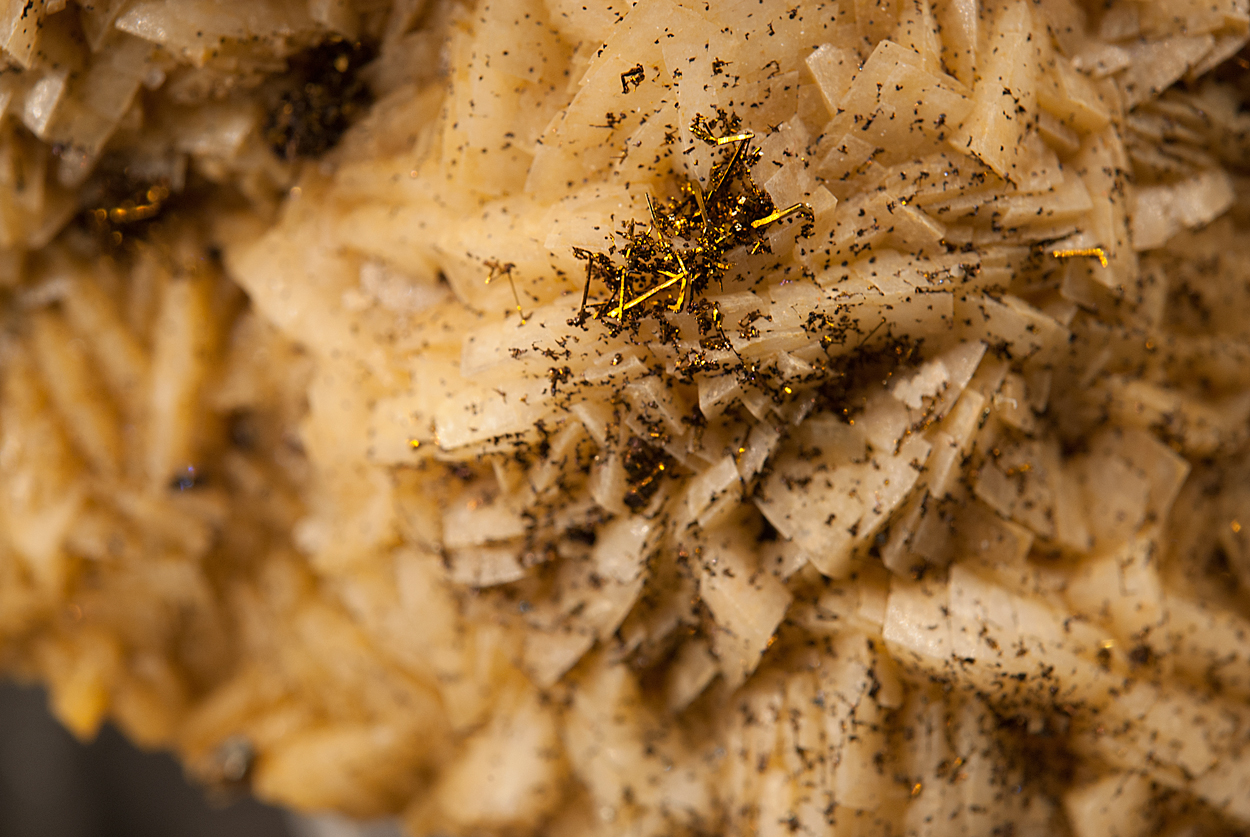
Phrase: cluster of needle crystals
(685, 246)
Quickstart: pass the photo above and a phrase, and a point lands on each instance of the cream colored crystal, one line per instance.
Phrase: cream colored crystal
(922, 513)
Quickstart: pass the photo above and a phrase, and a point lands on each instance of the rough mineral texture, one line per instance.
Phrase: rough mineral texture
(671, 418)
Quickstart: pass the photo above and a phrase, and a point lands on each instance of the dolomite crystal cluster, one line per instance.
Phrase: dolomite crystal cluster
(671, 418)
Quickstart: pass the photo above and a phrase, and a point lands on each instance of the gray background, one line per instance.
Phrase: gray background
(53, 786)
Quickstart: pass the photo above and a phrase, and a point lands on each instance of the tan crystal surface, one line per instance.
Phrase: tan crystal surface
(411, 408)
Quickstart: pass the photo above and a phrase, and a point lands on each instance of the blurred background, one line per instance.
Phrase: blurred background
(53, 786)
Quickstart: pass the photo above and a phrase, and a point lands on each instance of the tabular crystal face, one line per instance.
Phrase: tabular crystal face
(656, 419)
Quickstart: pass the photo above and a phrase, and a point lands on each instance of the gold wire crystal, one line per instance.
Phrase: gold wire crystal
(686, 244)
(498, 269)
(1090, 252)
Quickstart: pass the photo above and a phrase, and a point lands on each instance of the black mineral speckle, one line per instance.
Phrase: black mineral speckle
(644, 465)
(322, 96)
